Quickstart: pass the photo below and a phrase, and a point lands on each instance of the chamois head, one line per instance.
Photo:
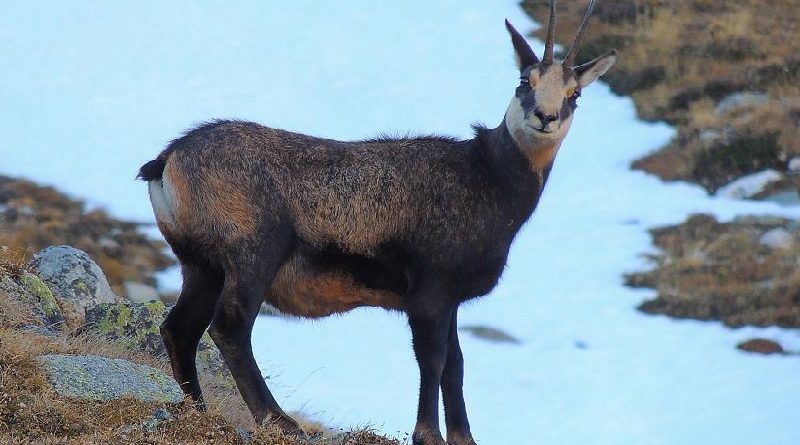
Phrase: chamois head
(541, 111)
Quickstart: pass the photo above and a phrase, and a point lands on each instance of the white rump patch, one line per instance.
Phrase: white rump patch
(163, 200)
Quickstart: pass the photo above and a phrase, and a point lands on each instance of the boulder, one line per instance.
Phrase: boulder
(137, 322)
(91, 377)
(31, 291)
(76, 280)
(140, 323)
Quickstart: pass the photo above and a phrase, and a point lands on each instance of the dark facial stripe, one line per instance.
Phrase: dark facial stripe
(568, 108)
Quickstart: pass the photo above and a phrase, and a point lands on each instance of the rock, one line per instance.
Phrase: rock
(750, 185)
(778, 238)
(740, 99)
(139, 292)
(761, 346)
(140, 323)
(76, 280)
(160, 415)
(31, 291)
(91, 377)
(794, 165)
(491, 334)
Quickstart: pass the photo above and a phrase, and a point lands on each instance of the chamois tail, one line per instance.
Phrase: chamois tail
(152, 170)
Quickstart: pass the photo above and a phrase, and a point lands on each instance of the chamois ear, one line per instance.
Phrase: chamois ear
(524, 54)
(590, 71)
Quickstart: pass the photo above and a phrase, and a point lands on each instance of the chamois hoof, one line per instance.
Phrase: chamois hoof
(199, 405)
(288, 425)
(427, 439)
(460, 440)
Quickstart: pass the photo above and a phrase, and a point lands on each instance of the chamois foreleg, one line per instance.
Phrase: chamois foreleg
(185, 324)
(455, 411)
(430, 321)
(247, 279)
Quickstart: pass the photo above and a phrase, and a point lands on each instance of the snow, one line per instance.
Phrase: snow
(91, 90)
(750, 185)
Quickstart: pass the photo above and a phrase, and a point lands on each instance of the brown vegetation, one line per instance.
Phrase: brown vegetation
(680, 59)
(31, 412)
(726, 271)
(33, 217)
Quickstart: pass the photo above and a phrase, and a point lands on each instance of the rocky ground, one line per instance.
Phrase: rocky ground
(725, 74)
(33, 217)
(81, 365)
(741, 273)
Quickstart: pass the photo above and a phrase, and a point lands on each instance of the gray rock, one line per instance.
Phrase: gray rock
(137, 322)
(139, 292)
(778, 238)
(76, 280)
(91, 377)
(740, 99)
(31, 291)
(140, 324)
(160, 415)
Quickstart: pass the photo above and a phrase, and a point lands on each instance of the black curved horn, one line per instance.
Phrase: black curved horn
(551, 34)
(569, 59)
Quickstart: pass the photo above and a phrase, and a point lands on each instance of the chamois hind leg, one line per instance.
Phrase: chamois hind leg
(247, 279)
(185, 324)
(455, 411)
(430, 325)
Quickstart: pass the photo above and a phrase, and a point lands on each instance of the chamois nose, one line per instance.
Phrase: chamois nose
(545, 118)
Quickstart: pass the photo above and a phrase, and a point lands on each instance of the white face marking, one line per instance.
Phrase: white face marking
(527, 133)
(549, 91)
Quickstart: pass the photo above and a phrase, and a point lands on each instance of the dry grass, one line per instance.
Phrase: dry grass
(31, 412)
(13, 260)
(721, 271)
(678, 59)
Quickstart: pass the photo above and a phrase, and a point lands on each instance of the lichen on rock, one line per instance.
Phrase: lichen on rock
(76, 280)
(140, 324)
(99, 378)
(45, 303)
(137, 322)
(29, 290)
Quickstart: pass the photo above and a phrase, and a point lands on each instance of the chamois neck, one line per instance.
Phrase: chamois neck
(509, 166)
(505, 153)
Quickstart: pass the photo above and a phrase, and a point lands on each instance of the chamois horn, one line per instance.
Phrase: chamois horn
(551, 34)
(569, 59)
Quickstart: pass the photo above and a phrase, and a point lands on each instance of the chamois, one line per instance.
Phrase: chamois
(318, 226)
